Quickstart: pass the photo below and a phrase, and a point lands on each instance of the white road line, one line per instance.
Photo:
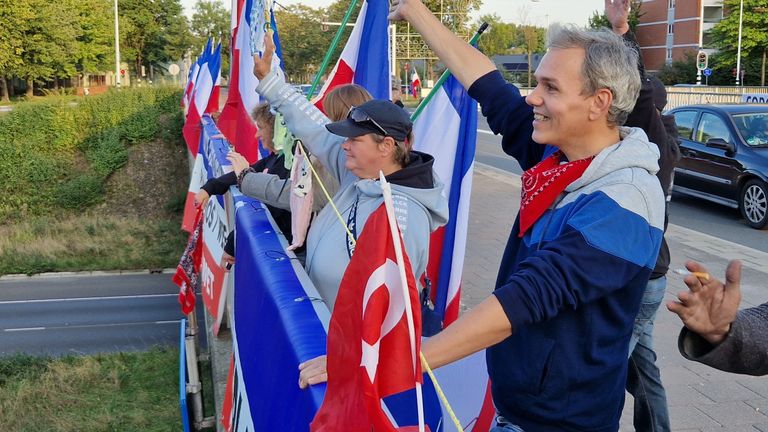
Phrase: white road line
(87, 298)
(24, 329)
(82, 326)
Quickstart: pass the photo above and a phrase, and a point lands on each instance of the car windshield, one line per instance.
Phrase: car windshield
(753, 128)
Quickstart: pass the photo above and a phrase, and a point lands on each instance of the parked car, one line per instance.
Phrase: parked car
(724, 157)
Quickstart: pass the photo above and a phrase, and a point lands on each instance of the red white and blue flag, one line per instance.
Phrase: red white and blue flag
(453, 146)
(194, 70)
(415, 83)
(365, 58)
(201, 95)
(235, 121)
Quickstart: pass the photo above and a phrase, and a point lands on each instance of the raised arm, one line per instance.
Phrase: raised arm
(466, 63)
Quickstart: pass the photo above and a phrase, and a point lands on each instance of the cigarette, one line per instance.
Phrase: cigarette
(685, 272)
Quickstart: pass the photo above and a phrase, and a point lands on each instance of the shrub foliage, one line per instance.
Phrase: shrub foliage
(58, 152)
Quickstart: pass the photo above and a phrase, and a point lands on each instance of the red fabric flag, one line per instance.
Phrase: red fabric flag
(187, 275)
(369, 347)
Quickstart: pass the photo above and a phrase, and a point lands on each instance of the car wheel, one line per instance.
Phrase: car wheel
(754, 203)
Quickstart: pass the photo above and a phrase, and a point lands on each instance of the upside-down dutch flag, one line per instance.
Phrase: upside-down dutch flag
(198, 105)
(235, 121)
(453, 146)
(194, 71)
(213, 102)
(365, 58)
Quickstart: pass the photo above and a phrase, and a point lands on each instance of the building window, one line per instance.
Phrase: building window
(669, 55)
(671, 4)
(670, 29)
(713, 14)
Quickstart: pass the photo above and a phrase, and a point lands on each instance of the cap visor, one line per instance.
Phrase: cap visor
(348, 128)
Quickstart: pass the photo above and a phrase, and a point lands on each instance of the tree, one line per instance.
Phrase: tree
(499, 38)
(14, 17)
(303, 40)
(680, 71)
(152, 31)
(211, 20)
(599, 20)
(754, 39)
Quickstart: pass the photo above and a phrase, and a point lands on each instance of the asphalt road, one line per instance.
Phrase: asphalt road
(88, 314)
(695, 214)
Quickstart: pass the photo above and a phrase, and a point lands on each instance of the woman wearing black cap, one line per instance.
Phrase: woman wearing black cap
(375, 136)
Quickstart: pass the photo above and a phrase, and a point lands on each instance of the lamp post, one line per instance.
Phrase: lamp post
(117, 49)
(738, 49)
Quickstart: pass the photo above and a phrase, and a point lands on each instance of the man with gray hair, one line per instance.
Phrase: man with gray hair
(558, 324)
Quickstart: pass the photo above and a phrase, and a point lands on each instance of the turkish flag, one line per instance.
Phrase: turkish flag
(369, 346)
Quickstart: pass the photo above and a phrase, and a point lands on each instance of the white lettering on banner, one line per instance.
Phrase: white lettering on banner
(206, 278)
(216, 167)
(755, 98)
(215, 228)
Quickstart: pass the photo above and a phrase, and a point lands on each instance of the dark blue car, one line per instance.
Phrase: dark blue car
(724, 151)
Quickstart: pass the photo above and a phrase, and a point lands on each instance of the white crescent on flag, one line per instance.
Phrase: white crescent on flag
(387, 276)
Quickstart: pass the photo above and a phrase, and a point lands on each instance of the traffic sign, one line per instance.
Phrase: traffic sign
(707, 72)
(173, 69)
(122, 72)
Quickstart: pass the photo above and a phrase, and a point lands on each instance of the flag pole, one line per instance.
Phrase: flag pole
(444, 76)
(389, 205)
(331, 49)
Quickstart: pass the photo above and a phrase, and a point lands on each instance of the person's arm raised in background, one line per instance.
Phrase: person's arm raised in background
(501, 102)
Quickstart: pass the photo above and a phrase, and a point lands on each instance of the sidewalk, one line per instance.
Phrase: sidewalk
(700, 398)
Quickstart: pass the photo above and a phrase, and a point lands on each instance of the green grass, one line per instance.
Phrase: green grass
(90, 242)
(107, 392)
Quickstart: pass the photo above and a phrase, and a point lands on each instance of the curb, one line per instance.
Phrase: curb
(50, 275)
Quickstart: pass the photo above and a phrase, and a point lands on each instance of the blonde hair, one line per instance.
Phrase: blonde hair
(338, 101)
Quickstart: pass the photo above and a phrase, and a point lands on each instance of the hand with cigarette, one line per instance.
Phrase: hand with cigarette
(710, 306)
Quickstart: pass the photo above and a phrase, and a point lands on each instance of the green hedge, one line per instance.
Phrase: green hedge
(58, 152)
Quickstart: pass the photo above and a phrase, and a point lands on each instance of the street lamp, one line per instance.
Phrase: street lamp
(117, 49)
(738, 49)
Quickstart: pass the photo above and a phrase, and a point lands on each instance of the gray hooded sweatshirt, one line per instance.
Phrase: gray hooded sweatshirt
(418, 194)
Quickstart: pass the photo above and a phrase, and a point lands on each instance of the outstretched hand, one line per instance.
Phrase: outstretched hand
(710, 306)
(262, 65)
(617, 12)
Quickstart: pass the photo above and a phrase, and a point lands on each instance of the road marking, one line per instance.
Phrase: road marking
(82, 326)
(87, 299)
(24, 329)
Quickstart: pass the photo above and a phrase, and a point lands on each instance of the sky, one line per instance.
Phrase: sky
(540, 12)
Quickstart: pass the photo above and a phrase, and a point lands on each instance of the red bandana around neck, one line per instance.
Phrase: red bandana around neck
(543, 183)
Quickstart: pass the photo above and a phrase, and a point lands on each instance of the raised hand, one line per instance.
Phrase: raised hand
(710, 306)
(617, 12)
(400, 9)
(262, 65)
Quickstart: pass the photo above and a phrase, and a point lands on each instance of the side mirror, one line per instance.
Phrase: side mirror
(721, 144)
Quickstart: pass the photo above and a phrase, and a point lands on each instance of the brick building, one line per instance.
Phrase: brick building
(670, 28)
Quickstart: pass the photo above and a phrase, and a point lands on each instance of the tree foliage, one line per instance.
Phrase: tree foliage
(212, 20)
(304, 40)
(43, 41)
(754, 38)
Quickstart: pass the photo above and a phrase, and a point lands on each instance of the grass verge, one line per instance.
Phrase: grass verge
(90, 242)
(108, 392)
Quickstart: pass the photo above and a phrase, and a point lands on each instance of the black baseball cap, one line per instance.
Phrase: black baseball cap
(376, 116)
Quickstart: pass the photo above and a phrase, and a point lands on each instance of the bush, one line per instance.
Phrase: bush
(57, 145)
(80, 192)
